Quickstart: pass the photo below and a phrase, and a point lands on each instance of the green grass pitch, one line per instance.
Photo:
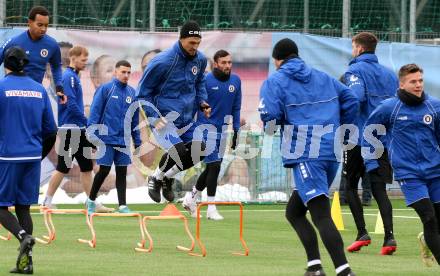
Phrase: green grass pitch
(274, 247)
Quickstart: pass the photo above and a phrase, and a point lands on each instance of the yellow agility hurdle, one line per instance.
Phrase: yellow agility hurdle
(199, 241)
(170, 212)
(89, 221)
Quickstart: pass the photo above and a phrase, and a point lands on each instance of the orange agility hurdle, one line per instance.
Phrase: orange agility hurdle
(92, 242)
(169, 212)
(199, 241)
(51, 232)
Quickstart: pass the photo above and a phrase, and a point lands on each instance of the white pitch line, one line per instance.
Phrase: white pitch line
(406, 217)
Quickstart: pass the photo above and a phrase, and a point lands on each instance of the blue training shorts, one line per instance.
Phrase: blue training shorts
(19, 183)
(313, 178)
(417, 189)
(113, 155)
(215, 146)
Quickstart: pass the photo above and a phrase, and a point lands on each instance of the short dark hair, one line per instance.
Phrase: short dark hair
(367, 40)
(220, 54)
(122, 63)
(37, 10)
(409, 69)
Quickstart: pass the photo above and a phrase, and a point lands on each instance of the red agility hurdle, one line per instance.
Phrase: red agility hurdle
(199, 241)
(92, 242)
(170, 212)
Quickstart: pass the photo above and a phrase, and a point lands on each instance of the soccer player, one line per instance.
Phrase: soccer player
(110, 105)
(72, 127)
(372, 83)
(412, 123)
(303, 100)
(40, 48)
(174, 86)
(21, 143)
(224, 97)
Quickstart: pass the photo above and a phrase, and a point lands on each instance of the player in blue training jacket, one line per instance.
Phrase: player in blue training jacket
(411, 122)
(372, 83)
(114, 105)
(224, 97)
(40, 49)
(310, 106)
(72, 124)
(26, 122)
(173, 84)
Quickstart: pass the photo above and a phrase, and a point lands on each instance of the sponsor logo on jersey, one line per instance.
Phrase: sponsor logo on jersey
(115, 97)
(214, 88)
(427, 119)
(23, 93)
(402, 118)
(44, 52)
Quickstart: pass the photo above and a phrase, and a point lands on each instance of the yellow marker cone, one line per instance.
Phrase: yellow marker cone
(379, 225)
(336, 212)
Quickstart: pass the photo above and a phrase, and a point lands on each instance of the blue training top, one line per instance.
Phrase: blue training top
(40, 52)
(25, 119)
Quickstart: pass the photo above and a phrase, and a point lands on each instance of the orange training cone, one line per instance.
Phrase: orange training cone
(170, 210)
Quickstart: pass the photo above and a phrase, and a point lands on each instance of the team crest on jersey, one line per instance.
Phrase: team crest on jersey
(194, 70)
(128, 100)
(353, 78)
(231, 88)
(427, 119)
(44, 52)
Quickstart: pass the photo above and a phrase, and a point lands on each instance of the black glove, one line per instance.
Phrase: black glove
(234, 140)
(60, 93)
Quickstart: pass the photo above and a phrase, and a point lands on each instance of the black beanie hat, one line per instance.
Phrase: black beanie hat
(285, 48)
(190, 29)
(15, 59)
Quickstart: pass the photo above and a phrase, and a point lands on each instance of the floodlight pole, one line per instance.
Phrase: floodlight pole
(346, 12)
(132, 14)
(412, 21)
(2, 13)
(216, 14)
(152, 15)
(403, 20)
(306, 16)
(55, 13)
